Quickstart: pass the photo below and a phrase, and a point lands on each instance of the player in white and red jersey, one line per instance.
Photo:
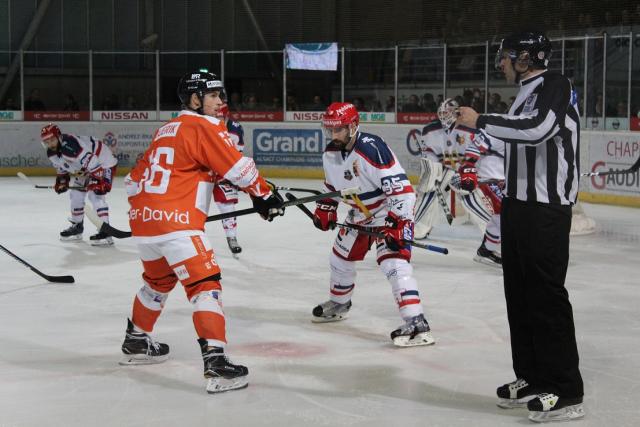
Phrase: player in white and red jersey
(384, 203)
(445, 147)
(225, 194)
(170, 192)
(88, 166)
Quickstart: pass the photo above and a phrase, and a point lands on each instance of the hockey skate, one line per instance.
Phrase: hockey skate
(73, 233)
(220, 372)
(330, 312)
(140, 349)
(414, 332)
(487, 257)
(515, 394)
(233, 245)
(101, 239)
(547, 407)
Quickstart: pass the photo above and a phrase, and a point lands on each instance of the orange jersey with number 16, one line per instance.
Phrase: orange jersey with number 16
(176, 174)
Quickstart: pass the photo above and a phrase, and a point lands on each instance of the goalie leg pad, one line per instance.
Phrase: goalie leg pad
(399, 273)
(479, 208)
(430, 172)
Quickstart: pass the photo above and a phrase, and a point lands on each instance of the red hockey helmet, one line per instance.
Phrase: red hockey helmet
(340, 114)
(50, 130)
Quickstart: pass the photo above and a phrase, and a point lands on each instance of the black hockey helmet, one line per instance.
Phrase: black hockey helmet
(530, 49)
(199, 82)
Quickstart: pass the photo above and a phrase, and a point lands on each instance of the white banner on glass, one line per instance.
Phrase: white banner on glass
(312, 56)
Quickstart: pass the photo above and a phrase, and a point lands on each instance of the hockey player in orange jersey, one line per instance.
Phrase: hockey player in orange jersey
(170, 191)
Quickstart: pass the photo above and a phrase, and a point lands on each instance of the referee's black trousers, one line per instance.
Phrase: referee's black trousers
(535, 255)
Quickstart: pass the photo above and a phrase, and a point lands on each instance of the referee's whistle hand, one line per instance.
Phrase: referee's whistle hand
(467, 117)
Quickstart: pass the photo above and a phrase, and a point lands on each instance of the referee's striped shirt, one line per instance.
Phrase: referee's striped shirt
(542, 140)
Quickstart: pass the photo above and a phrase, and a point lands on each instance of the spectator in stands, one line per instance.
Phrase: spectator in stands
(111, 102)
(292, 103)
(494, 100)
(390, 104)
(439, 99)
(33, 101)
(317, 104)
(235, 103)
(412, 106)
(252, 103)
(276, 105)
(358, 102)
(501, 108)
(428, 103)
(376, 106)
(621, 109)
(10, 105)
(70, 103)
(597, 109)
(131, 103)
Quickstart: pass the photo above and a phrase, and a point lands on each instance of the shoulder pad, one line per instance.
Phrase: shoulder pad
(433, 126)
(373, 149)
(70, 146)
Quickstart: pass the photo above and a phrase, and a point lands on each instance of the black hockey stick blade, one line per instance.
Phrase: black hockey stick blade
(364, 230)
(53, 279)
(103, 227)
(632, 169)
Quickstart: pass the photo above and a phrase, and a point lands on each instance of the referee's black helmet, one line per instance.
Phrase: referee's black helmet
(529, 48)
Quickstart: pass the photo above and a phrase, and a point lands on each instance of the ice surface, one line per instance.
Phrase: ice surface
(60, 344)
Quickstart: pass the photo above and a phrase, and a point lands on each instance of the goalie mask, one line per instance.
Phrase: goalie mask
(448, 113)
(340, 116)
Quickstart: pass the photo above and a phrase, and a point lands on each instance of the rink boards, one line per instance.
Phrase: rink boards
(294, 149)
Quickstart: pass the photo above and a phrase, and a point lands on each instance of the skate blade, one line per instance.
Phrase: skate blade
(565, 414)
(71, 239)
(486, 261)
(102, 242)
(424, 338)
(335, 318)
(142, 359)
(514, 403)
(220, 385)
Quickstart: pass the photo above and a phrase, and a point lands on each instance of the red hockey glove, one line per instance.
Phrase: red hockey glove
(270, 207)
(326, 215)
(468, 176)
(396, 230)
(62, 183)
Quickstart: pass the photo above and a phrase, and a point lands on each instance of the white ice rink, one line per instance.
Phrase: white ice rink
(60, 344)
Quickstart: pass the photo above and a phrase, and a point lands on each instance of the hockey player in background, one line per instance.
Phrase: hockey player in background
(225, 194)
(170, 192)
(87, 165)
(448, 148)
(385, 203)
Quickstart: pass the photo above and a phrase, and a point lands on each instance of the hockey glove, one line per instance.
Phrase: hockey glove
(396, 230)
(100, 182)
(326, 215)
(62, 183)
(269, 207)
(468, 176)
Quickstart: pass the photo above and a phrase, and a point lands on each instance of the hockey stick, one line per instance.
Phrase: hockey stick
(109, 230)
(27, 180)
(443, 203)
(632, 169)
(364, 230)
(304, 190)
(54, 279)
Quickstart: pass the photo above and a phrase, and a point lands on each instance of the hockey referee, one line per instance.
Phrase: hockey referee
(542, 136)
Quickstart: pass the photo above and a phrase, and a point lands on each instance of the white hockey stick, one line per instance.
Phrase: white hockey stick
(632, 169)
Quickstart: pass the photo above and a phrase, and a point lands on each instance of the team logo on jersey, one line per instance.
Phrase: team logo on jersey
(356, 168)
(529, 103)
(460, 139)
(347, 175)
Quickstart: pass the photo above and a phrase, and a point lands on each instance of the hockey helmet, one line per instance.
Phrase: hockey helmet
(448, 112)
(49, 131)
(529, 49)
(199, 82)
(340, 115)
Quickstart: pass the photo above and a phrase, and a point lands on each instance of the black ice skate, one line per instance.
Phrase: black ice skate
(330, 312)
(140, 349)
(233, 245)
(101, 239)
(73, 233)
(515, 394)
(220, 372)
(548, 407)
(414, 332)
(487, 257)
